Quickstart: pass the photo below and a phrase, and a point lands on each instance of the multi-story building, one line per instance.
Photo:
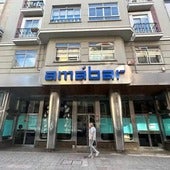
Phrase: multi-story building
(64, 64)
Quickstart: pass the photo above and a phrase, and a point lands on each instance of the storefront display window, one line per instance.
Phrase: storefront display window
(8, 128)
(85, 107)
(164, 113)
(147, 123)
(127, 125)
(27, 121)
(1, 98)
(44, 121)
(64, 124)
(106, 124)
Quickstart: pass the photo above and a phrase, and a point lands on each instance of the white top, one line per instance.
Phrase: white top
(92, 133)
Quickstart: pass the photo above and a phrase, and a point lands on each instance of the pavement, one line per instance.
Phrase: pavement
(32, 159)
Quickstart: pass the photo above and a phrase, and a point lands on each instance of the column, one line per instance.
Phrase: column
(116, 112)
(54, 105)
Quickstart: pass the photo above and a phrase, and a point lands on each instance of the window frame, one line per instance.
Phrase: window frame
(133, 15)
(25, 54)
(67, 47)
(104, 17)
(146, 51)
(66, 18)
(142, 27)
(31, 18)
(101, 46)
(2, 1)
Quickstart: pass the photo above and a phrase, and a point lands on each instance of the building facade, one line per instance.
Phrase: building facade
(65, 64)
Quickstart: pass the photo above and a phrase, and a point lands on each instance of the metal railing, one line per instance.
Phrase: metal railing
(139, 1)
(146, 28)
(54, 19)
(26, 32)
(33, 4)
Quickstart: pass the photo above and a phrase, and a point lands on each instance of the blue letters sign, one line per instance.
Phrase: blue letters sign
(80, 75)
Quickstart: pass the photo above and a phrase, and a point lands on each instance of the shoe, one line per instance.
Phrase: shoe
(92, 156)
(89, 156)
(97, 154)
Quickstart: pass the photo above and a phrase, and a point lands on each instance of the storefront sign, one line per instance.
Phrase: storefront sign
(82, 74)
(86, 74)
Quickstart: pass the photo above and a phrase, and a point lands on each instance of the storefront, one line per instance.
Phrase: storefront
(56, 115)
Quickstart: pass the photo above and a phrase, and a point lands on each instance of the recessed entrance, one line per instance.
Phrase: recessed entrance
(82, 128)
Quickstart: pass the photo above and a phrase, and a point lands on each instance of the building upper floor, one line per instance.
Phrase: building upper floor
(50, 34)
(38, 21)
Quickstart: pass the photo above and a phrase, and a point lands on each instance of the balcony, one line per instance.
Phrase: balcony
(1, 32)
(139, 5)
(26, 36)
(33, 8)
(147, 31)
(46, 34)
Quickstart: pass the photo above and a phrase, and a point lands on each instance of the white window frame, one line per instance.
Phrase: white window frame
(66, 19)
(25, 53)
(31, 18)
(102, 6)
(101, 57)
(138, 14)
(146, 51)
(2, 1)
(68, 58)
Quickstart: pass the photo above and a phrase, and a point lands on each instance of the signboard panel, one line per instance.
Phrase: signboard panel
(86, 74)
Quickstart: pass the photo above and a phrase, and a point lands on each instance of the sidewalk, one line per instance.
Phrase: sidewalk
(29, 158)
(43, 160)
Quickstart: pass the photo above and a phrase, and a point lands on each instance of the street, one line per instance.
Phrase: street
(24, 160)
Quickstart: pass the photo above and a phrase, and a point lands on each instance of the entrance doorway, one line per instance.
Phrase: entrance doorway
(82, 128)
(26, 123)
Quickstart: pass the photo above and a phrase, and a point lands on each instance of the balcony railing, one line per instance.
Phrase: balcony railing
(26, 33)
(139, 1)
(33, 4)
(146, 28)
(55, 20)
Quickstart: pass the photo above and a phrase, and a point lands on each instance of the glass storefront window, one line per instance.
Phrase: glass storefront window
(147, 123)
(164, 113)
(1, 98)
(44, 122)
(85, 107)
(144, 106)
(127, 124)
(29, 106)
(64, 124)
(8, 128)
(106, 124)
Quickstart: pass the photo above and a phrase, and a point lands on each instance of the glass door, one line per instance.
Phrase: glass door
(82, 128)
(27, 122)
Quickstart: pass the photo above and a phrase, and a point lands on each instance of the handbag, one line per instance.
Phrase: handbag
(94, 143)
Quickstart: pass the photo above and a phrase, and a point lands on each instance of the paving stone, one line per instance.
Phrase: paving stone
(67, 162)
(77, 162)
